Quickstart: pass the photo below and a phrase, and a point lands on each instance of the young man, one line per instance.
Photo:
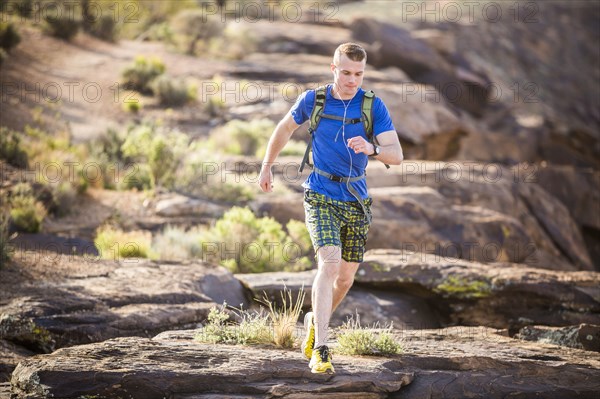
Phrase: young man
(336, 201)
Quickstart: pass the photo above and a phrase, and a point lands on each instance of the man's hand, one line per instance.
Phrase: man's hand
(359, 144)
(265, 180)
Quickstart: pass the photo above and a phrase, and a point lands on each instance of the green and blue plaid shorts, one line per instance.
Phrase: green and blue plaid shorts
(339, 223)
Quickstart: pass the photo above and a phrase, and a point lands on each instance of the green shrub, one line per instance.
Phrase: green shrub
(6, 249)
(132, 106)
(175, 243)
(171, 91)
(243, 138)
(9, 37)
(140, 75)
(114, 243)
(11, 150)
(3, 56)
(159, 150)
(137, 175)
(299, 234)
(24, 7)
(64, 196)
(64, 25)
(27, 214)
(104, 28)
(246, 244)
(253, 328)
(356, 340)
(193, 30)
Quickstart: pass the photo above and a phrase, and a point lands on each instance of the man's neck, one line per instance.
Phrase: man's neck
(337, 95)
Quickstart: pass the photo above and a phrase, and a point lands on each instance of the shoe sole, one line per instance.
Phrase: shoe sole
(328, 370)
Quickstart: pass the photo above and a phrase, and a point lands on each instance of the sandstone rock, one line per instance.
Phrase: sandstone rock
(184, 206)
(372, 305)
(584, 336)
(144, 368)
(135, 298)
(390, 45)
(456, 362)
(494, 295)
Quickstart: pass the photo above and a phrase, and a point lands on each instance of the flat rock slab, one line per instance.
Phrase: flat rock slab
(475, 362)
(183, 368)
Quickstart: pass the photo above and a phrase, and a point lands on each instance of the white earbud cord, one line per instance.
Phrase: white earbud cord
(344, 135)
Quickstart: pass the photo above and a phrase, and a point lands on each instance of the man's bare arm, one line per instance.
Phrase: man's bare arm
(281, 135)
(391, 151)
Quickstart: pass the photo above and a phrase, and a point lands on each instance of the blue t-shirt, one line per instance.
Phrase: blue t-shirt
(330, 149)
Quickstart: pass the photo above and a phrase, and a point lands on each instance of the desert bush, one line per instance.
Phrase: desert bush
(11, 149)
(132, 106)
(193, 30)
(142, 72)
(176, 243)
(353, 339)
(137, 176)
(162, 150)
(114, 243)
(105, 28)
(63, 26)
(9, 37)
(253, 244)
(243, 138)
(6, 248)
(26, 212)
(172, 92)
(299, 234)
(253, 328)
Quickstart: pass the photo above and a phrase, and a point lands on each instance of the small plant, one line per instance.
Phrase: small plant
(243, 138)
(114, 243)
(132, 106)
(11, 149)
(284, 318)
(6, 249)
(253, 328)
(356, 340)
(140, 75)
(9, 37)
(172, 92)
(175, 243)
(26, 212)
(64, 26)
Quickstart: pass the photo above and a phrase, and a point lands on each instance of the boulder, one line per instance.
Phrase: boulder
(473, 362)
(136, 297)
(391, 45)
(166, 366)
(180, 205)
(372, 306)
(583, 336)
(494, 295)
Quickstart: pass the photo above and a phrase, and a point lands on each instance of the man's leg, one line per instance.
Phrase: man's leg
(322, 289)
(343, 282)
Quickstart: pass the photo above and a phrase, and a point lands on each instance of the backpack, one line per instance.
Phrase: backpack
(317, 114)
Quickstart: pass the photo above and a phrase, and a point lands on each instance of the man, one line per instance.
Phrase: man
(336, 201)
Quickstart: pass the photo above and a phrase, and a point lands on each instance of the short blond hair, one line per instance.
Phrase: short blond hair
(353, 51)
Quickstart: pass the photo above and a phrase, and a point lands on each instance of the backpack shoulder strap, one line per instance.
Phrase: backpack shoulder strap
(313, 122)
(319, 106)
(367, 111)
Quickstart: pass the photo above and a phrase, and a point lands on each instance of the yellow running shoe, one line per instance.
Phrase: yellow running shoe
(309, 341)
(320, 362)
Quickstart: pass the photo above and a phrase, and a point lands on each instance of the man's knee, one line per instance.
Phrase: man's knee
(343, 282)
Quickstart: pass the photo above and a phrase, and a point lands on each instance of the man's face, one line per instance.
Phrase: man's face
(348, 76)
